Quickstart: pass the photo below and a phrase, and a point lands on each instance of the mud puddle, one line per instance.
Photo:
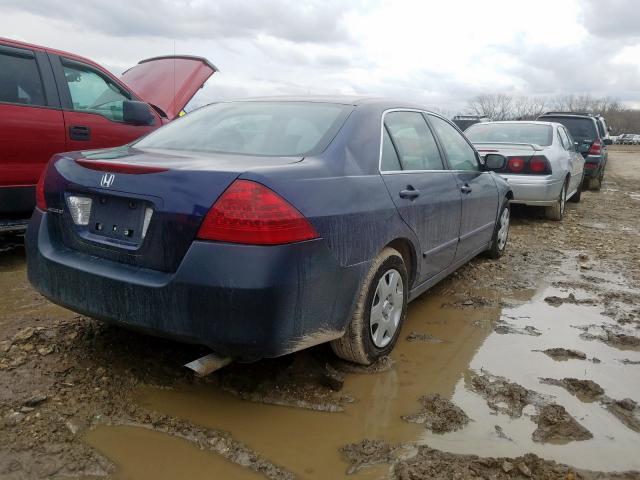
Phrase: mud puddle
(307, 442)
(142, 454)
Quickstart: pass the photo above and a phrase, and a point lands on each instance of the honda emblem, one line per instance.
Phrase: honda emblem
(107, 180)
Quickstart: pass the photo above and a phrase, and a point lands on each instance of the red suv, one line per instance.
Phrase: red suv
(52, 101)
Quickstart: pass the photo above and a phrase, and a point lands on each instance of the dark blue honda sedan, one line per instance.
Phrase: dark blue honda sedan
(265, 226)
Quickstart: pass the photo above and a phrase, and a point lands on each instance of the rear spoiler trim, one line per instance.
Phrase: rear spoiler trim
(535, 146)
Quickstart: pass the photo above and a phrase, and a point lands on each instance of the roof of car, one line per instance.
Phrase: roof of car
(32, 46)
(534, 122)
(338, 99)
(570, 114)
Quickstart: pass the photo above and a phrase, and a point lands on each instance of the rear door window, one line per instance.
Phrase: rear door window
(460, 154)
(413, 140)
(92, 92)
(20, 80)
(564, 141)
(389, 161)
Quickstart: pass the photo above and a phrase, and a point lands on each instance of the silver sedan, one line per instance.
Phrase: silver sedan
(543, 165)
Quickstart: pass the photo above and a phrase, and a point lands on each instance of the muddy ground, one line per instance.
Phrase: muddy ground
(526, 367)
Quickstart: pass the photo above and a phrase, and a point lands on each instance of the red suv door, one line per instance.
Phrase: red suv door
(92, 102)
(31, 125)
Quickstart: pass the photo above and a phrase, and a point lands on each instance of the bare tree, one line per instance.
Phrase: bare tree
(500, 106)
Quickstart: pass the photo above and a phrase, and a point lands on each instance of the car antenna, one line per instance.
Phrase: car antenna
(174, 73)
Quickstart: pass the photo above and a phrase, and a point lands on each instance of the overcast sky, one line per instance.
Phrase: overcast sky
(438, 53)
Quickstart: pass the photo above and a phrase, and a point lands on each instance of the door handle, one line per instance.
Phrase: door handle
(79, 132)
(466, 188)
(410, 193)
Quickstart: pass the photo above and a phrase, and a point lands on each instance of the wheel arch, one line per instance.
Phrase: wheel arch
(409, 256)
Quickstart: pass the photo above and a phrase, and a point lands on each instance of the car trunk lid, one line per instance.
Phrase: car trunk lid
(143, 208)
(169, 82)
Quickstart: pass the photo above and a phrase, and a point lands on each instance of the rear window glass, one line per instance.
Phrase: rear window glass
(510, 133)
(581, 129)
(253, 128)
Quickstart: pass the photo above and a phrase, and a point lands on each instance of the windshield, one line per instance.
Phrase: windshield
(276, 129)
(583, 130)
(510, 133)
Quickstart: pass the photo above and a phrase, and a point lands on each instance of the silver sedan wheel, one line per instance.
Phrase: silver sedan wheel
(386, 308)
(503, 232)
(563, 199)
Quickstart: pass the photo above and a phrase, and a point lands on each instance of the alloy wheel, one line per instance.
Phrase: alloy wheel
(503, 232)
(386, 308)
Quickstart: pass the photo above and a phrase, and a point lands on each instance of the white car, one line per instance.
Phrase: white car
(543, 165)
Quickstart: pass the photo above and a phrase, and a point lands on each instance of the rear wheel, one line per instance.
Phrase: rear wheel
(596, 182)
(576, 196)
(556, 211)
(380, 311)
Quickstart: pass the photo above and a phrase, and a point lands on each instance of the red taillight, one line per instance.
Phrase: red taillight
(596, 148)
(535, 165)
(41, 202)
(515, 164)
(538, 164)
(250, 213)
(113, 167)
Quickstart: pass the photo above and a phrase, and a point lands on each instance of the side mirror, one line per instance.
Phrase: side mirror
(608, 141)
(494, 161)
(137, 113)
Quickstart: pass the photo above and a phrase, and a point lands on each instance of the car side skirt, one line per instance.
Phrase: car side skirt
(427, 284)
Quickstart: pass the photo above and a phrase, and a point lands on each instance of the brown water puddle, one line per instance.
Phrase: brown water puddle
(141, 453)
(307, 442)
(614, 446)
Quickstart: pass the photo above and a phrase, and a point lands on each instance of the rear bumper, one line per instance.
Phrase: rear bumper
(247, 302)
(593, 164)
(532, 190)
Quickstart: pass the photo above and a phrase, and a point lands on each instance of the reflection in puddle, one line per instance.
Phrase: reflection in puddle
(142, 453)
(614, 446)
(307, 442)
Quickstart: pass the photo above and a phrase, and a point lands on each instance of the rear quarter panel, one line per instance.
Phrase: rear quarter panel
(342, 192)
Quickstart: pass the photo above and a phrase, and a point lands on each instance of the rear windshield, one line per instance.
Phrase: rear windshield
(278, 129)
(510, 133)
(582, 129)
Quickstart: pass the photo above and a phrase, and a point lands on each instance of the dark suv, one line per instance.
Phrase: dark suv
(591, 135)
(465, 121)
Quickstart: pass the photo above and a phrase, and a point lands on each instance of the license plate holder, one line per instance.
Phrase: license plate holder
(119, 219)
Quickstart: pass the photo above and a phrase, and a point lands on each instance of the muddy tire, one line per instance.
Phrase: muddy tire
(500, 232)
(576, 196)
(556, 211)
(596, 183)
(380, 311)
